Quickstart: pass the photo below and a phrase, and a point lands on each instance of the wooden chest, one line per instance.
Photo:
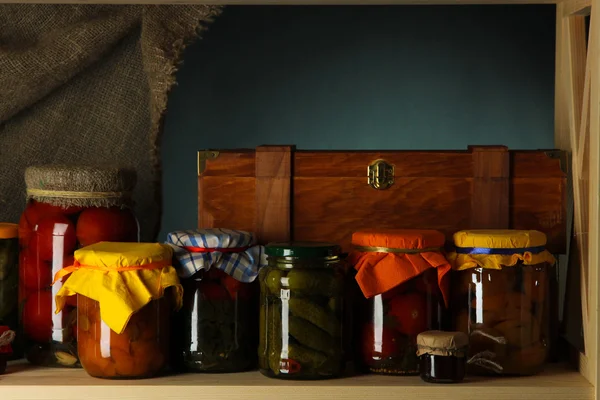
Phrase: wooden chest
(283, 194)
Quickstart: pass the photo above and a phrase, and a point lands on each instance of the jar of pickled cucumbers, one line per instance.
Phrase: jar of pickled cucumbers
(404, 278)
(501, 288)
(68, 207)
(125, 294)
(302, 311)
(9, 279)
(217, 327)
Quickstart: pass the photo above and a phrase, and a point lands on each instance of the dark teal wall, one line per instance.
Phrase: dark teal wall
(359, 77)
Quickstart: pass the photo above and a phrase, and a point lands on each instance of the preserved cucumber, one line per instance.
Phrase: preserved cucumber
(311, 336)
(317, 315)
(316, 282)
(306, 357)
(273, 280)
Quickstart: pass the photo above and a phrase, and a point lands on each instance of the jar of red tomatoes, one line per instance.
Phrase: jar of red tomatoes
(218, 323)
(125, 294)
(404, 278)
(68, 207)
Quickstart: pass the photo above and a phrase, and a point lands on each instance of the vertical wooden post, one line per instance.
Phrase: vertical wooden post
(273, 193)
(593, 59)
(491, 177)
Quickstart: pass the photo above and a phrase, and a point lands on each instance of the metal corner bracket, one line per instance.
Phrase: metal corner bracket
(204, 155)
(563, 156)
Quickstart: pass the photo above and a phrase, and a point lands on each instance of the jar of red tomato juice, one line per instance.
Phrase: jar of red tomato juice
(68, 207)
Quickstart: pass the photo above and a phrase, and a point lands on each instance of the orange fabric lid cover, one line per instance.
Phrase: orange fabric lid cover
(381, 270)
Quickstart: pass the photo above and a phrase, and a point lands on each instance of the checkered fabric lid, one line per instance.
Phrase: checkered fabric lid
(234, 252)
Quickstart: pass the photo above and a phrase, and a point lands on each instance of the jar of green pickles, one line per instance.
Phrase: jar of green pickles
(302, 311)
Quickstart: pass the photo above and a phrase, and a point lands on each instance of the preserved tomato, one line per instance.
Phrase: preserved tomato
(404, 278)
(48, 237)
(123, 318)
(140, 351)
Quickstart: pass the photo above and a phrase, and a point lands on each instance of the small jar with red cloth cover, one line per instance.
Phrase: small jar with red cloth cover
(405, 279)
(68, 207)
(217, 328)
(7, 336)
(501, 298)
(125, 295)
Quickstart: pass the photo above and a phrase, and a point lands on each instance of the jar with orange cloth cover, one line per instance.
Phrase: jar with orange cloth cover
(125, 294)
(68, 207)
(501, 290)
(405, 279)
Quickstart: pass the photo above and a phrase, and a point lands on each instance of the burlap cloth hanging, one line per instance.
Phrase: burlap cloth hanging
(89, 84)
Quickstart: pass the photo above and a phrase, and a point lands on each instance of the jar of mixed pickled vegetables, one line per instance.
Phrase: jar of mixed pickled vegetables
(217, 327)
(125, 294)
(501, 288)
(302, 311)
(404, 278)
(9, 279)
(68, 207)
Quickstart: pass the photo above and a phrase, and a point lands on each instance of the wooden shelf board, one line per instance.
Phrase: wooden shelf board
(25, 382)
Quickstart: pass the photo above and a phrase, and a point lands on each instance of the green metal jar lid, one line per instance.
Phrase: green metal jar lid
(303, 249)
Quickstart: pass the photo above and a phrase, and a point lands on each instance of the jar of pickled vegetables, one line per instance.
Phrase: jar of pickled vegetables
(125, 293)
(404, 278)
(217, 327)
(9, 279)
(6, 351)
(501, 299)
(68, 207)
(302, 311)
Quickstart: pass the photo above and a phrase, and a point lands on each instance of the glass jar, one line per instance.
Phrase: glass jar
(63, 213)
(302, 311)
(7, 337)
(218, 323)
(404, 278)
(124, 293)
(501, 299)
(9, 279)
(443, 356)
(140, 351)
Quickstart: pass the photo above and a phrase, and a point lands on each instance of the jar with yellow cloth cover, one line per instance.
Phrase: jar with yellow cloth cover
(302, 311)
(125, 293)
(68, 207)
(404, 278)
(501, 290)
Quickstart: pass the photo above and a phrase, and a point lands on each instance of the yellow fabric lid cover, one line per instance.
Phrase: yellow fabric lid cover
(122, 277)
(8, 230)
(496, 248)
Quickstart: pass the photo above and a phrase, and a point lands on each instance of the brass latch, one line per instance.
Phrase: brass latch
(380, 175)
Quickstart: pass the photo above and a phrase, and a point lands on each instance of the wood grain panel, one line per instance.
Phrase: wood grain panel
(490, 199)
(226, 203)
(534, 164)
(273, 193)
(540, 203)
(231, 163)
(406, 163)
(331, 209)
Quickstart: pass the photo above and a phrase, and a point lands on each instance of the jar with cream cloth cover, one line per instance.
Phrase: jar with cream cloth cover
(125, 294)
(218, 324)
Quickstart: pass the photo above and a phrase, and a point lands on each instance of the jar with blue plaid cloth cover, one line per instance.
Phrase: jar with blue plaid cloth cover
(218, 323)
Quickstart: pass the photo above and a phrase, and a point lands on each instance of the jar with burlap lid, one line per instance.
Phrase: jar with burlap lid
(442, 356)
(68, 207)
